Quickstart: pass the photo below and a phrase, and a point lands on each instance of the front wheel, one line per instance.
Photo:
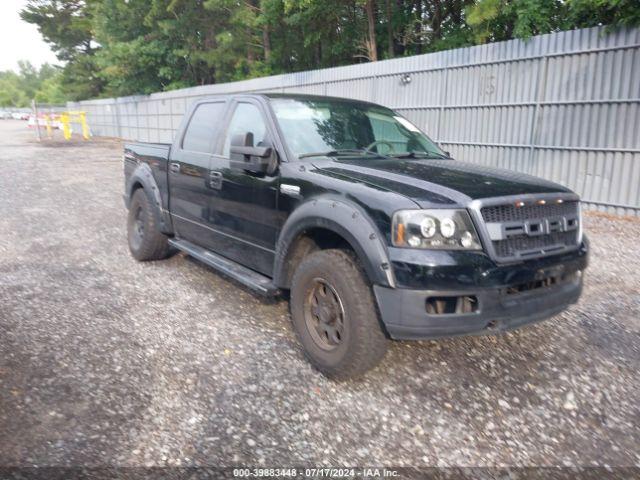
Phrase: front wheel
(146, 242)
(334, 315)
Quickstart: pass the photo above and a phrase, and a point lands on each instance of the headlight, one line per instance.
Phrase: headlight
(434, 229)
(428, 227)
(447, 227)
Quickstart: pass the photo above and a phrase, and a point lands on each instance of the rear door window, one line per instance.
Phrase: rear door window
(203, 127)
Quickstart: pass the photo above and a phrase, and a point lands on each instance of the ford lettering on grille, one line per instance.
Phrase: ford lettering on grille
(536, 228)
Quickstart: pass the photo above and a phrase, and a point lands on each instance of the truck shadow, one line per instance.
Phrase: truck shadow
(503, 364)
(521, 353)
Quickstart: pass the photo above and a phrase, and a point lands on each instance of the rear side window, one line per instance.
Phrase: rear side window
(203, 127)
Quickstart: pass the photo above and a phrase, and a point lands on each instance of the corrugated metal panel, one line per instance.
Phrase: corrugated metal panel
(564, 106)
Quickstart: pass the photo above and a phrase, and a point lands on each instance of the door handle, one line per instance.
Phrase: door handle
(175, 167)
(215, 180)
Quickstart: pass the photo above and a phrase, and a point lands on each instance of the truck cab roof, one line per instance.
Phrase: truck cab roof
(292, 96)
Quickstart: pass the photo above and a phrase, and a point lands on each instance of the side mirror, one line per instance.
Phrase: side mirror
(244, 156)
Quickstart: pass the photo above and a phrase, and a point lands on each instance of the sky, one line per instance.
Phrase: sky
(20, 40)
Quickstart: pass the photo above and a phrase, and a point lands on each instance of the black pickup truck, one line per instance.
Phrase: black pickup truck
(372, 230)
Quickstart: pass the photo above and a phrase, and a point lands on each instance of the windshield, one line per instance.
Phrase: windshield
(315, 127)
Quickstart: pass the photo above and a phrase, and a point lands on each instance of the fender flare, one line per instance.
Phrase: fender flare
(143, 176)
(344, 218)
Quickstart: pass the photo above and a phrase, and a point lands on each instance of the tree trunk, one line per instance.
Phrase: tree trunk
(251, 53)
(455, 12)
(418, 26)
(372, 46)
(390, 35)
(400, 40)
(436, 21)
(266, 43)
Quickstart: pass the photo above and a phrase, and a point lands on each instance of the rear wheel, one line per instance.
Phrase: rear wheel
(146, 242)
(334, 315)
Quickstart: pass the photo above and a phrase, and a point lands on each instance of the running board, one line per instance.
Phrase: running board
(245, 276)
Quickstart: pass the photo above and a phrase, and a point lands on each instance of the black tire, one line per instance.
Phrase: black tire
(341, 348)
(146, 242)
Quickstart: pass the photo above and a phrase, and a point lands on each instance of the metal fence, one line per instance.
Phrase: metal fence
(564, 106)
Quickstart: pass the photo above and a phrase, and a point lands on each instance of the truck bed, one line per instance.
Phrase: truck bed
(153, 149)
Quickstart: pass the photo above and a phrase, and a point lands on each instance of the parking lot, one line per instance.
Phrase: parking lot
(107, 361)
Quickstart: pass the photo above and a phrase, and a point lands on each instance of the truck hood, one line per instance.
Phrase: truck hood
(437, 181)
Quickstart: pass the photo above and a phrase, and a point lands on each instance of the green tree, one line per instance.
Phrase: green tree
(497, 20)
(17, 89)
(11, 95)
(66, 25)
(613, 13)
(132, 57)
(117, 47)
(50, 91)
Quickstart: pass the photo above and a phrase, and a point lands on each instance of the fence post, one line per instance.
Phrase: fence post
(537, 116)
(35, 113)
(117, 107)
(443, 100)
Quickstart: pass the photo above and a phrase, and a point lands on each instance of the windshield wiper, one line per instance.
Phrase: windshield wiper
(342, 151)
(416, 154)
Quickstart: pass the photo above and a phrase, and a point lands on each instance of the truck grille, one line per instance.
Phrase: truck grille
(511, 213)
(531, 230)
(532, 246)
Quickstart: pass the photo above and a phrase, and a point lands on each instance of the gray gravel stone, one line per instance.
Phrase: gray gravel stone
(104, 360)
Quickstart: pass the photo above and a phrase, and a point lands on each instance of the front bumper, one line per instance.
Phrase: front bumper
(498, 307)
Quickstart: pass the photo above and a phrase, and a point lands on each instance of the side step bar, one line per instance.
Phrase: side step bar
(245, 276)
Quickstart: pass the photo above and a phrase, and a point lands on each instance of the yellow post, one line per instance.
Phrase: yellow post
(66, 128)
(85, 127)
(48, 119)
(77, 117)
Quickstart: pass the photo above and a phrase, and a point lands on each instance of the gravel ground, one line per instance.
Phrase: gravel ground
(105, 361)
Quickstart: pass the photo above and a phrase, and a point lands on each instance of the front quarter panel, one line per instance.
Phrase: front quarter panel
(360, 213)
(347, 220)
